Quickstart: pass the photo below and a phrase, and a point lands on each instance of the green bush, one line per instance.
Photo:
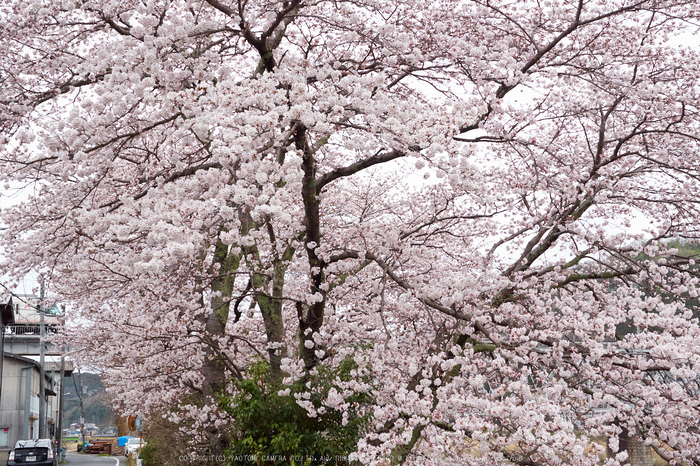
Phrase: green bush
(148, 455)
(270, 429)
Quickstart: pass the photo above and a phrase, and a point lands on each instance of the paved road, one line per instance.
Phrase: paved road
(94, 460)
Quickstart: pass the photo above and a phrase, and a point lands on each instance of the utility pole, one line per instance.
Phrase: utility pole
(2, 341)
(42, 382)
(79, 391)
(59, 433)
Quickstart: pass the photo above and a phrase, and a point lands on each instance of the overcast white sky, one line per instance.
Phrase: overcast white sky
(30, 283)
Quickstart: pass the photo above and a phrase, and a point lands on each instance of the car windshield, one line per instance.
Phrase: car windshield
(33, 443)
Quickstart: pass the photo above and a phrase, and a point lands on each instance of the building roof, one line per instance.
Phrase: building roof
(51, 364)
(48, 365)
(22, 358)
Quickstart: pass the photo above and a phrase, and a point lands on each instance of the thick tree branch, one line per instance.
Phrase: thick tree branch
(379, 158)
(452, 312)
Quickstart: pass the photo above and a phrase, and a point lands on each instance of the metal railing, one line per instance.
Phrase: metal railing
(30, 329)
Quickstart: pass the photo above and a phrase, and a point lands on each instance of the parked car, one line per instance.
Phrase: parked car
(35, 452)
(133, 444)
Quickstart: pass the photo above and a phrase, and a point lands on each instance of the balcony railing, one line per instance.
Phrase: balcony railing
(30, 329)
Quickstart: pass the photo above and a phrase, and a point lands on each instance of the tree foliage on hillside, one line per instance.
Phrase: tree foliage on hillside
(413, 186)
(96, 403)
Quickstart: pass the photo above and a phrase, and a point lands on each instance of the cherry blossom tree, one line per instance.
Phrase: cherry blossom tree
(465, 199)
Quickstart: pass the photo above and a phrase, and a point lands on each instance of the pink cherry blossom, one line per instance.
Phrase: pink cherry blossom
(473, 200)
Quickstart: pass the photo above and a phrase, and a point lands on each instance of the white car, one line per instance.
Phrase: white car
(133, 444)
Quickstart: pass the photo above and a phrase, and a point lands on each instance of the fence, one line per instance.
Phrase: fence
(30, 329)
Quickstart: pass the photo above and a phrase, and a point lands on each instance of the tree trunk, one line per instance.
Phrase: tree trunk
(638, 453)
(271, 309)
(214, 368)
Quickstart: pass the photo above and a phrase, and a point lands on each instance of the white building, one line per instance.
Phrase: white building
(20, 383)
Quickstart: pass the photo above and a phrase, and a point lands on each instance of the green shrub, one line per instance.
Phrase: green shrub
(148, 455)
(270, 429)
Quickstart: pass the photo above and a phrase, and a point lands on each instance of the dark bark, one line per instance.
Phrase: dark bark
(311, 320)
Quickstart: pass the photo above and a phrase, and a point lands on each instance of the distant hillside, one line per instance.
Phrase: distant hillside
(95, 403)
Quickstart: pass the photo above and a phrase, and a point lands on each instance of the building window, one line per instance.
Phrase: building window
(4, 436)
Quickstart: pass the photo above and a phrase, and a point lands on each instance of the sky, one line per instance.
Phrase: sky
(10, 196)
